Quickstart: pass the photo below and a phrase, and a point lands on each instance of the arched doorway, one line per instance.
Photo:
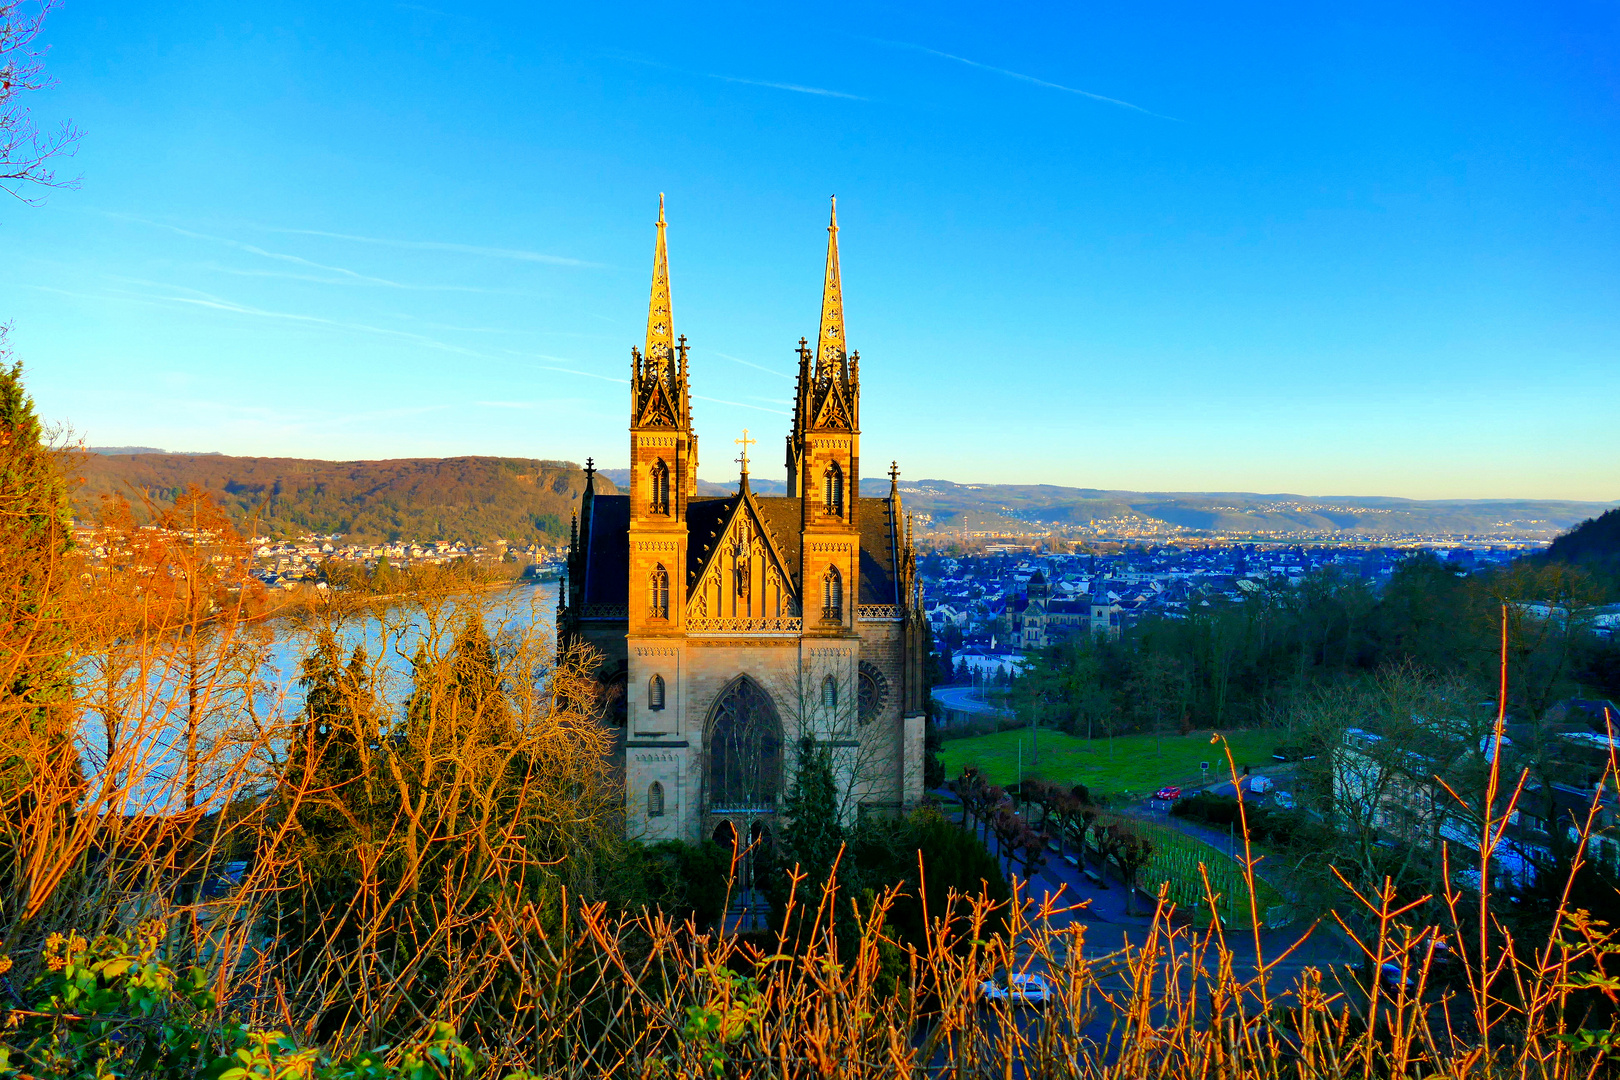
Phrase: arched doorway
(743, 744)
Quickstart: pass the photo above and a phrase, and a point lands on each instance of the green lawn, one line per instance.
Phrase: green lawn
(1128, 763)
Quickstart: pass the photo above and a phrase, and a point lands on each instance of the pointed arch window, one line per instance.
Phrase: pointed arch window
(829, 693)
(659, 487)
(832, 594)
(655, 692)
(832, 490)
(743, 750)
(658, 593)
(655, 799)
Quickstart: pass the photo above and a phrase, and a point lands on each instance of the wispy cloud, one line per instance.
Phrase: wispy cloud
(796, 88)
(217, 304)
(188, 297)
(750, 363)
(344, 276)
(438, 245)
(557, 361)
(283, 275)
(1020, 76)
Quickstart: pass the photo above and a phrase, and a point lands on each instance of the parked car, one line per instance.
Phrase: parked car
(1168, 794)
(1395, 979)
(1019, 990)
(1260, 784)
(1284, 800)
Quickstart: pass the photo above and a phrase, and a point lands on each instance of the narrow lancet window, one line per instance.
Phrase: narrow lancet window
(832, 490)
(659, 487)
(832, 594)
(655, 692)
(829, 693)
(655, 799)
(658, 593)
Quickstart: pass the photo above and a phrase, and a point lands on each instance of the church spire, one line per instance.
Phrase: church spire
(830, 350)
(660, 322)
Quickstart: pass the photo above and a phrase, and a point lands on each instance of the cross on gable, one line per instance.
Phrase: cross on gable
(745, 442)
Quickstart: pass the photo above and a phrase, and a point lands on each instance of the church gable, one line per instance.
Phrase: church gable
(742, 573)
(833, 411)
(657, 410)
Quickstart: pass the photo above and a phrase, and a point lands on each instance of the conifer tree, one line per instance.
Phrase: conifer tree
(813, 833)
(327, 761)
(36, 679)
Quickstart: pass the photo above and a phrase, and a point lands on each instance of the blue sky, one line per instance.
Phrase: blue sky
(1372, 249)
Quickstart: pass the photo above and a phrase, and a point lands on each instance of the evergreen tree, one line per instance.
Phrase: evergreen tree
(327, 760)
(813, 833)
(37, 719)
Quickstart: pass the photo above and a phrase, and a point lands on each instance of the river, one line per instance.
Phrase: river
(146, 757)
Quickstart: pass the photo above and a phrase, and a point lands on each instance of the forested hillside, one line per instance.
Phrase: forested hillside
(466, 498)
(1594, 543)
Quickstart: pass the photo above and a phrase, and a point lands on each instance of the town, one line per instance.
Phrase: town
(987, 609)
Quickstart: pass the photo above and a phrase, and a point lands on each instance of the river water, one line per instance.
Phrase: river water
(146, 775)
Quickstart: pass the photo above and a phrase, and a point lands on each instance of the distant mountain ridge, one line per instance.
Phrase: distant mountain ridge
(476, 499)
(1023, 507)
(988, 506)
(530, 501)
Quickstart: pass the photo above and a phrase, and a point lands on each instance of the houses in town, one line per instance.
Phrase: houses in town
(1011, 602)
(1399, 787)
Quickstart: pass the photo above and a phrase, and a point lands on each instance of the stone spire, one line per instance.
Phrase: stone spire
(660, 352)
(830, 347)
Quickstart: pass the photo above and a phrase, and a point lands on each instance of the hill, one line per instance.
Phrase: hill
(1235, 514)
(1594, 543)
(465, 498)
(1025, 508)
(524, 500)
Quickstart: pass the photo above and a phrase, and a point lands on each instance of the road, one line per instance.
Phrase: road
(1102, 932)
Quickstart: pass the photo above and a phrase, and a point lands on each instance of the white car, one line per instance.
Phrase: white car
(1284, 800)
(1020, 990)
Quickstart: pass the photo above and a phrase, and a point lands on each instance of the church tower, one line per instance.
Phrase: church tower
(740, 625)
(663, 461)
(824, 457)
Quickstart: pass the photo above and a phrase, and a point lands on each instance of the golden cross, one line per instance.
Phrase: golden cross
(745, 442)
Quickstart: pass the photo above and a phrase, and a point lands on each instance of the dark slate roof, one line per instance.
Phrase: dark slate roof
(607, 567)
(879, 540)
(607, 574)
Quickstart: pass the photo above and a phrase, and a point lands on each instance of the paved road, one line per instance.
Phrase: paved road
(966, 699)
(1102, 931)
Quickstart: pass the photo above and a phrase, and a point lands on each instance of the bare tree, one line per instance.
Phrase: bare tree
(821, 701)
(25, 151)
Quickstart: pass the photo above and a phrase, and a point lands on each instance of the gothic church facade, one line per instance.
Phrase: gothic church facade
(742, 625)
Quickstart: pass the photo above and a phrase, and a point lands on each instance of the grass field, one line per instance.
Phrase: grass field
(1128, 763)
(1176, 859)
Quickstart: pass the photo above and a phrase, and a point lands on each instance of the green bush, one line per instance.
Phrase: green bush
(689, 881)
(886, 853)
(114, 1007)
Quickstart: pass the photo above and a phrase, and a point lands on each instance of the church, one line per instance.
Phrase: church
(733, 628)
